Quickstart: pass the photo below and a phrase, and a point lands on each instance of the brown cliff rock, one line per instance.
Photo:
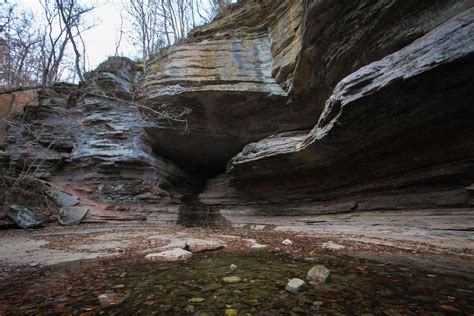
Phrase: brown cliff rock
(397, 126)
(89, 141)
(227, 75)
(342, 36)
(302, 107)
(268, 67)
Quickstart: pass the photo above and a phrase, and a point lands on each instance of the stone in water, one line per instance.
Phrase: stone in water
(231, 279)
(295, 286)
(112, 299)
(317, 275)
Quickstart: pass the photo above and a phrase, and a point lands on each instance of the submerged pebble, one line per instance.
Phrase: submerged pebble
(317, 275)
(231, 312)
(231, 279)
(295, 286)
(168, 288)
(112, 299)
(190, 309)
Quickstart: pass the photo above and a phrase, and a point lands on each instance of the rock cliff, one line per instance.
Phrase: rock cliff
(275, 108)
(88, 142)
(395, 134)
(233, 76)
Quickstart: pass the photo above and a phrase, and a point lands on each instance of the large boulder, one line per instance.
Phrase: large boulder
(24, 217)
(72, 215)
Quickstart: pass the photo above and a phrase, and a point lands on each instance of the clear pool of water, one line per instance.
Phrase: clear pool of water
(196, 287)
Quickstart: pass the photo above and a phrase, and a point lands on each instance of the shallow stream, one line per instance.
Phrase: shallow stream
(196, 287)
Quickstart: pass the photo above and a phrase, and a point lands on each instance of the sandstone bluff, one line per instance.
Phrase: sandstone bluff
(277, 113)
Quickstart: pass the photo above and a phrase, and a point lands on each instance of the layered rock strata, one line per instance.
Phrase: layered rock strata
(395, 134)
(88, 141)
(228, 76)
(286, 107)
(269, 66)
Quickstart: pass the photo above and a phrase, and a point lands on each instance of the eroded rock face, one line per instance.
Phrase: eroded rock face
(342, 36)
(401, 126)
(41, 134)
(12, 104)
(302, 107)
(230, 76)
(89, 142)
(268, 67)
(406, 90)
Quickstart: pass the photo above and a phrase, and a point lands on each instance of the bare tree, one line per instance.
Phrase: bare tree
(118, 41)
(207, 10)
(6, 15)
(146, 25)
(36, 49)
(63, 27)
(19, 45)
(70, 12)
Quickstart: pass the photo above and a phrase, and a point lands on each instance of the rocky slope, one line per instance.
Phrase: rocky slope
(275, 108)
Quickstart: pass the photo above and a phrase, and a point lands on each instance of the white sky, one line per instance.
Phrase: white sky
(100, 40)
